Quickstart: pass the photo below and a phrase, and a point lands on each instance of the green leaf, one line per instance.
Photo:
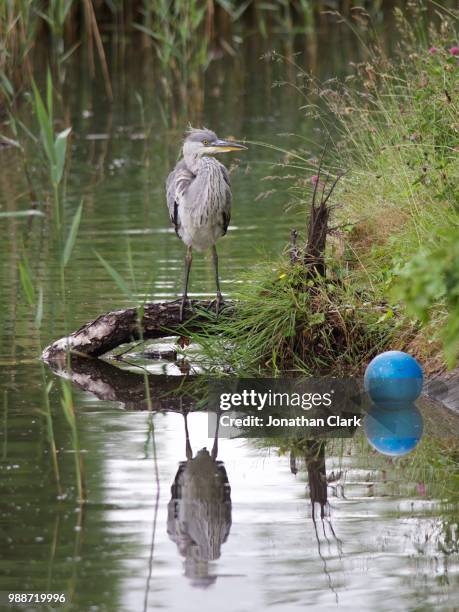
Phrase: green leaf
(39, 312)
(119, 280)
(45, 124)
(389, 314)
(49, 95)
(67, 404)
(26, 282)
(6, 83)
(71, 238)
(60, 150)
(22, 213)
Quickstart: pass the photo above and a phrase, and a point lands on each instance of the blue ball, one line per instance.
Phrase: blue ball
(393, 376)
(394, 431)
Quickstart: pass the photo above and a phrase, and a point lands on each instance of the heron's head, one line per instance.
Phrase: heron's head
(199, 142)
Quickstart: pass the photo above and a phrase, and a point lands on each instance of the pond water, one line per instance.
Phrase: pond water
(388, 540)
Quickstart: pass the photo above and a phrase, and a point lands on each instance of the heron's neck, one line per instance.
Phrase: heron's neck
(199, 163)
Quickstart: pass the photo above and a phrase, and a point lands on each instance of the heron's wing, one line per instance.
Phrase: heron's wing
(177, 184)
(226, 209)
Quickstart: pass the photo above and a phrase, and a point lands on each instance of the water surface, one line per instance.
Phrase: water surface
(388, 540)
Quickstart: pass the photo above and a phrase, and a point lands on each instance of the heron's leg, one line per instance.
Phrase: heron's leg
(217, 280)
(214, 452)
(189, 451)
(188, 260)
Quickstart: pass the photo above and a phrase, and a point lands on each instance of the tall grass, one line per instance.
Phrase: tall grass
(181, 33)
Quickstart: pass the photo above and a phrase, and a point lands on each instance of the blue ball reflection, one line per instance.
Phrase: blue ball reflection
(393, 376)
(394, 430)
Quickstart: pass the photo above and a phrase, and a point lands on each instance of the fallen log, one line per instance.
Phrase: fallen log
(112, 329)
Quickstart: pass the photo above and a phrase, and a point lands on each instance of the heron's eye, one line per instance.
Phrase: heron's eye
(205, 142)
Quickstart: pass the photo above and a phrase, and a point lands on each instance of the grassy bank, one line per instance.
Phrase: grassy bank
(393, 252)
(398, 137)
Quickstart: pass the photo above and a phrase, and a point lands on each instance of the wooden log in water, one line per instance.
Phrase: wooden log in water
(112, 329)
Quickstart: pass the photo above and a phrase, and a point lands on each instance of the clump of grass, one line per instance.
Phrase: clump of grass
(285, 321)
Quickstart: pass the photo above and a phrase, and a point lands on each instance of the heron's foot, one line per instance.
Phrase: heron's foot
(219, 302)
(185, 303)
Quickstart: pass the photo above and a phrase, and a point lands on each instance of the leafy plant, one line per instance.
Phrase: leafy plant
(429, 286)
(54, 145)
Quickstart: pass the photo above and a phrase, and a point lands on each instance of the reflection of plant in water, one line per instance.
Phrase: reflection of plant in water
(69, 412)
(430, 472)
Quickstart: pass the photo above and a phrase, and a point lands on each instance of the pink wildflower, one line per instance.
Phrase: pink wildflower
(421, 488)
(454, 50)
(432, 50)
(315, 180)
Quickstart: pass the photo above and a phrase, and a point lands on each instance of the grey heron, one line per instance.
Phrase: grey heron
(199, 198)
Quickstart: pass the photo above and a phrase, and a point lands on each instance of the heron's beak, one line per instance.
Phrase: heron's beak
(222, 146)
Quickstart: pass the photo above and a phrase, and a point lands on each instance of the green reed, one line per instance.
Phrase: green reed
(5, 425)
(19, 29)
(54, 145)
(181, 34)
(54, 148)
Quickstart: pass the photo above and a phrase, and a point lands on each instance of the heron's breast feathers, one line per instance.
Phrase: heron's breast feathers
(200, 203)
(177, 185)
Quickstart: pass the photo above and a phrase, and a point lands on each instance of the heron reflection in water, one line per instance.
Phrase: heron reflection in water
(199, 512)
